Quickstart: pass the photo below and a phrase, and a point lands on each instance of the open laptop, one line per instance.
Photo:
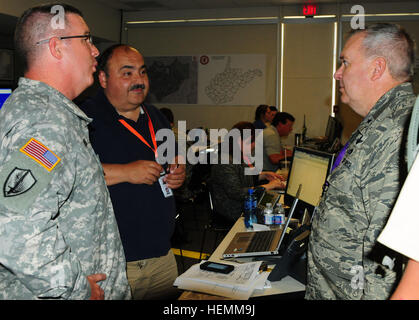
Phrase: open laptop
(259, 243)
(267, 197)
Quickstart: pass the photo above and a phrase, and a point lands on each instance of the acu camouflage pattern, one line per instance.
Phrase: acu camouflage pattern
(344, 258)
(69, 231)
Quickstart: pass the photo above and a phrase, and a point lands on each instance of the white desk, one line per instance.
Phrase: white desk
(285, 285)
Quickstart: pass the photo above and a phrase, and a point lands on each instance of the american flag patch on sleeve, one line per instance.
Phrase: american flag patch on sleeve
(41, 154)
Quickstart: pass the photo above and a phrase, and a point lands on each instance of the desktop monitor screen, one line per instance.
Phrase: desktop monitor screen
(4, 94)
(309, 168)
(330, 129)
(333, 130)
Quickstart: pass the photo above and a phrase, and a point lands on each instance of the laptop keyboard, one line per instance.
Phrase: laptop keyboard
(261, 241)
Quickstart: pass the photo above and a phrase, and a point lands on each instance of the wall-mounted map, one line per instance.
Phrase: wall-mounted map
(231, 79)
(207, 79)
(172, 79)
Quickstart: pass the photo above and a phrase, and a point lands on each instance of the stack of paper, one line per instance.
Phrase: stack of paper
(238, 284)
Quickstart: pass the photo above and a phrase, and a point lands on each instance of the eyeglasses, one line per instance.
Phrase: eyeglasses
(85, 36)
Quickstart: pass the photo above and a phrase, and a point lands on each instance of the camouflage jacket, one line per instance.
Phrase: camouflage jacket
(344, 258)
(57, 224)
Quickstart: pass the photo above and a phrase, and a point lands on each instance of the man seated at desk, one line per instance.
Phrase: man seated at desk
(273, 151)
(229, 182)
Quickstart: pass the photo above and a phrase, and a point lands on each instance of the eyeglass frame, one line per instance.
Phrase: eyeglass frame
(87, 36)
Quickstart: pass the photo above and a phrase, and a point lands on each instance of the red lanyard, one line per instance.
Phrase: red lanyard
(139, 136)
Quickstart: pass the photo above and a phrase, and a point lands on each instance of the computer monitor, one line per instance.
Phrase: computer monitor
(4, 94)
(310, 169)
(333, 130)
(330, 129)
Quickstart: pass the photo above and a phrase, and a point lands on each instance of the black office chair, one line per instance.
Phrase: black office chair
(216, 223)
(193, 192)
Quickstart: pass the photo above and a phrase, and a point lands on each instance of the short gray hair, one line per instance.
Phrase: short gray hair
(33, 25)
(394, 44)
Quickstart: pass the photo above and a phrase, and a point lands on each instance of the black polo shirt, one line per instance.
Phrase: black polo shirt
(145, 217)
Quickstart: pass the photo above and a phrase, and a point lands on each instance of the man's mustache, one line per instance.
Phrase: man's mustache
(137, 86)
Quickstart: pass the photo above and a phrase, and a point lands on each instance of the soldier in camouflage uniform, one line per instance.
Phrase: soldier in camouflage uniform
(58, 234)
(344, 259)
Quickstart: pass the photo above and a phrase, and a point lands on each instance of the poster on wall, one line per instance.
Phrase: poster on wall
(231, 79)
(207, 79)
(173, 79)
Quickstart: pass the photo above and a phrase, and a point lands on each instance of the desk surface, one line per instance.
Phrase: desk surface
(286, 285)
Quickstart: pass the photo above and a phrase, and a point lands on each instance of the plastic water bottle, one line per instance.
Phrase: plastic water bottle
(279, 215)
(249, 209)
(254, 210)
(268, 214)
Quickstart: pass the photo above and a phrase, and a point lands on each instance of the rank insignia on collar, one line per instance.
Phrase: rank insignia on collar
(41, 154)
(18, 182)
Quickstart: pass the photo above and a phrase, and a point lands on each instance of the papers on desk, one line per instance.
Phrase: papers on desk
(238, 284)
(260, 227)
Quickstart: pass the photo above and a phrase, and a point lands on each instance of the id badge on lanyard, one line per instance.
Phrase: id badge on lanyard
(167, 192)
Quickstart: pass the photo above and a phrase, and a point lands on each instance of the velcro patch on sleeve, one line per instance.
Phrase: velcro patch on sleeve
(22, 180)
(41, 154)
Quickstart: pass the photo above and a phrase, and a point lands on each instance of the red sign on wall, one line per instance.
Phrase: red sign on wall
(310, 10)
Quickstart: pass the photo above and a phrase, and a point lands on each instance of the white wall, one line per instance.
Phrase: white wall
(211, 40)
(308, 73)
(189, 39)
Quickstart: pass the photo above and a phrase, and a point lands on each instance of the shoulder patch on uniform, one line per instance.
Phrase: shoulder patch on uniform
(18, 182)
(22, 180)
(41, 154)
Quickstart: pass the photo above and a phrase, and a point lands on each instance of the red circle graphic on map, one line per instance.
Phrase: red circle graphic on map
(204, 59)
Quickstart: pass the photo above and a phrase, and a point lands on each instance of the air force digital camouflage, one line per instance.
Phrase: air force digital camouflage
(56, 220)
(344, 260)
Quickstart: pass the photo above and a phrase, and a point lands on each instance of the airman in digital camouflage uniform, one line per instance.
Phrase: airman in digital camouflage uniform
(58, 234)
(344, 259)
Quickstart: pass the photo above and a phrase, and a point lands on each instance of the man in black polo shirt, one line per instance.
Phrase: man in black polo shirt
(123, 134)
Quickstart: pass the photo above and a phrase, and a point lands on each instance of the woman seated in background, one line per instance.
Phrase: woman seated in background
(229, 182)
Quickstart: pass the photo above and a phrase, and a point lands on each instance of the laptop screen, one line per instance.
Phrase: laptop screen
(268, 197)
(309, 168)
(4, 94)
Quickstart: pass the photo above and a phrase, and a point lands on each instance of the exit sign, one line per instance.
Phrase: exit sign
(309, 10)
